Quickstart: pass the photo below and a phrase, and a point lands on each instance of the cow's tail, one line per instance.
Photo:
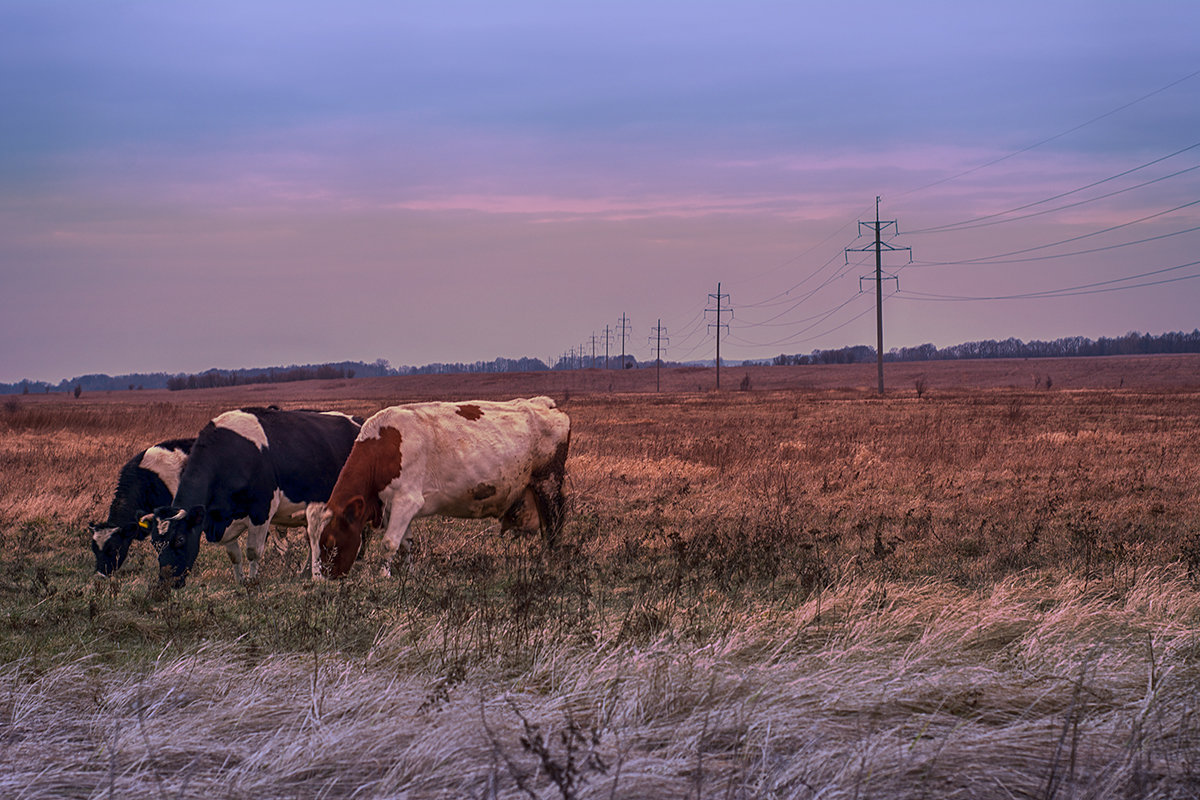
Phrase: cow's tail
(548, 492)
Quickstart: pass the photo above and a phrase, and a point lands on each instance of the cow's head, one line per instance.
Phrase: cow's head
(176, 536)
(340, 534)
(110, 543)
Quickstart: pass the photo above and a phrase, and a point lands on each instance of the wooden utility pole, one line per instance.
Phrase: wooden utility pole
(879, 247)
(624, 332)
(658, 337)
(719, 323)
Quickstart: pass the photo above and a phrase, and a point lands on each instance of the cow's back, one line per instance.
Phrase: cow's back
(226, 461)
(148, 480)
(445, 437)
(307, 450)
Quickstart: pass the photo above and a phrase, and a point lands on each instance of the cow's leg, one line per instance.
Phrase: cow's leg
(313, 513)
(256, 541)
(401, 512)
(230, 541)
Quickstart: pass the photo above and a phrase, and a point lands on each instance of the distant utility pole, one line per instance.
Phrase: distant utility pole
(593, 349)
(607, 341)
(658, 337)
(718, 323)
(879, 278)
(624, 330)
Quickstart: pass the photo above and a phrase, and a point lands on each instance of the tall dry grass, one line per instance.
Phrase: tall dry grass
(1037, 686)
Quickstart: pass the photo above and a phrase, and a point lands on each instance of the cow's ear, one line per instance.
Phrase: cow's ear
(353, 512)
(169, 513)
(145, 520)
(195, 516)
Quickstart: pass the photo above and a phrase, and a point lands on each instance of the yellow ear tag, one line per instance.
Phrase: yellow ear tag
(145, 523)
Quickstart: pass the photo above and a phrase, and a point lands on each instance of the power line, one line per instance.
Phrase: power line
(693, 326)
(770, 321)
(1044, 212)
(834, 329)
(968, 224)
(796, 258)
(1068, 291)
(996, 260)
(1110, 229)
(818, 319)
(1049, 139)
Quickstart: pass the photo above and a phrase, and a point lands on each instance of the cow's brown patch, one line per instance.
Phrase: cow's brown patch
(471, 412)
(483, 491)
(372, 465)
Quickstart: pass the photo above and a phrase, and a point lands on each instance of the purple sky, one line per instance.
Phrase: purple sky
(188, 185)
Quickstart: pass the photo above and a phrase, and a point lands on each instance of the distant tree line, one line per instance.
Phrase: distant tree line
(1132, 343)
(202, 380)
(614, 362)
(90, 383)
(496, 365)
(239, 377)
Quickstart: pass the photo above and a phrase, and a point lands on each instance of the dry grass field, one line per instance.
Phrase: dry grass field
(984, 588)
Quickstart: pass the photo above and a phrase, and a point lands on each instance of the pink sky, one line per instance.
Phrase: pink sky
(193, 186)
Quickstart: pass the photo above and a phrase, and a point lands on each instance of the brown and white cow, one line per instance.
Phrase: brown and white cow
(474, 459)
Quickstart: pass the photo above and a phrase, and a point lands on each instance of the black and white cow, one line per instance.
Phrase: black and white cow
(147, 481)
(248, 469)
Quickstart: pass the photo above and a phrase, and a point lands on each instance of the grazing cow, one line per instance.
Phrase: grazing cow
(147, 481)
(248, 469)
(473, 460)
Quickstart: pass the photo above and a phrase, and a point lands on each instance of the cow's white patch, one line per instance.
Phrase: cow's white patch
(101, 536)
(244, 424)
(370, 429)
(288, 513)
(339, 414)
(166, 464)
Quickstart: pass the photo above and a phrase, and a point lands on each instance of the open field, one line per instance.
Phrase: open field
(803, 590)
